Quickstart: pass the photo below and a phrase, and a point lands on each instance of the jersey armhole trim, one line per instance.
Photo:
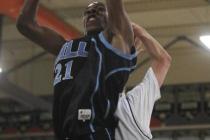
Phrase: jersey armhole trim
(115, 50)
(129, 69)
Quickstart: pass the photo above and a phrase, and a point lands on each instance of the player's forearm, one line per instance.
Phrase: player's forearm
(115, 6)
(27, 25)
(28, 12)
(153, 47)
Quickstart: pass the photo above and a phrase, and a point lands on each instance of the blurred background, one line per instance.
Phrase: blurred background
(183, 113)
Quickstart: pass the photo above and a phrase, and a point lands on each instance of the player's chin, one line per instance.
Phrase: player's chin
(94, 29)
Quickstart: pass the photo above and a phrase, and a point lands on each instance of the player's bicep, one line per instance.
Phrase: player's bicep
(46, 38)
(50, 40)
(118, 22)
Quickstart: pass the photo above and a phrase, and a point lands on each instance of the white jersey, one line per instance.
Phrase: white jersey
(134, 109)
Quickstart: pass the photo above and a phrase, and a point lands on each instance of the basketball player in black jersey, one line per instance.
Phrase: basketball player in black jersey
(89, 72)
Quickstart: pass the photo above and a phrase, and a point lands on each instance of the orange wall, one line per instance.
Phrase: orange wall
(45, 17)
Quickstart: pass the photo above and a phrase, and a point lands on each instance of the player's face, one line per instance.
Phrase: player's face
(95, 17)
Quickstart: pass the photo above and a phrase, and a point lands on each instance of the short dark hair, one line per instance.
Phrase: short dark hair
(96, 3)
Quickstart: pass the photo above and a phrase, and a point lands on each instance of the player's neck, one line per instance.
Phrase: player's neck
(93, 33)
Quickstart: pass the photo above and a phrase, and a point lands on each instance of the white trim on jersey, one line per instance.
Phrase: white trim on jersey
(134, 109)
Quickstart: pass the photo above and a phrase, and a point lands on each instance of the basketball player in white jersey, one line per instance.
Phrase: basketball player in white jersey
(135, 107)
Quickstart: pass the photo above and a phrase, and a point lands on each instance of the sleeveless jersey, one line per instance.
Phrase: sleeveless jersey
(89, 75)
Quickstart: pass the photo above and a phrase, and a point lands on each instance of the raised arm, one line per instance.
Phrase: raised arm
(119, 31)
(28, 26)
(161, 60)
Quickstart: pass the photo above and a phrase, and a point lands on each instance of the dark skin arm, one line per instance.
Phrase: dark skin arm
(28, 26)
(119, 26)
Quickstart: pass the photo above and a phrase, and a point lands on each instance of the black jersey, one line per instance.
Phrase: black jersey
(89, 75)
